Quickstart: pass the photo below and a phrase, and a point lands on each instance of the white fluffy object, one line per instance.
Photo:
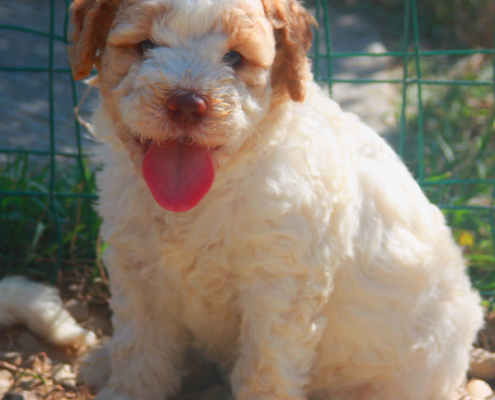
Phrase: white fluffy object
(39, 308)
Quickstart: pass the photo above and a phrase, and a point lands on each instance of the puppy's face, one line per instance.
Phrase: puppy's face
(188, 70)
(201, 72)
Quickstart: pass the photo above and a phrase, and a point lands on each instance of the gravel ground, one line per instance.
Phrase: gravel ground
(31, 369)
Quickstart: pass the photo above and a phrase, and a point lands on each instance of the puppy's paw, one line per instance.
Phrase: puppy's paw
(95, 368)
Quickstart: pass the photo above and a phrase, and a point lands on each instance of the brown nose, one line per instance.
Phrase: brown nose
(186, 107)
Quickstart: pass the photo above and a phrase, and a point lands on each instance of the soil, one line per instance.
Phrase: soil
(31, 369)
(28, 365)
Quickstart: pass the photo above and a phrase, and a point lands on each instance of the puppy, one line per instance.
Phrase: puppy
(249, 217)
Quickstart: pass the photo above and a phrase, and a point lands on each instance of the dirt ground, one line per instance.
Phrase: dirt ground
(31, 369)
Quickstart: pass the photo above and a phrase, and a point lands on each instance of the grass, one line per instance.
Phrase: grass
(34, 233)
(459, 144)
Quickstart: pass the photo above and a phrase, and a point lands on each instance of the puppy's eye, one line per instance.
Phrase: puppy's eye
(232, 58)
(147, 45)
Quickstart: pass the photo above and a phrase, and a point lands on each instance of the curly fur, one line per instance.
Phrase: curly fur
(314, 267)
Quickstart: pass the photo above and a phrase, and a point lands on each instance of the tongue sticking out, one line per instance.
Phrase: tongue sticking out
(178, 175)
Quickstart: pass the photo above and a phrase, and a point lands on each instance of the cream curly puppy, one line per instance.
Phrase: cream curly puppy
(249, 217)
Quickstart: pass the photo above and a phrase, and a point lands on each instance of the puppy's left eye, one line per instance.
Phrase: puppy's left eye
(232, 58)
(147, 45)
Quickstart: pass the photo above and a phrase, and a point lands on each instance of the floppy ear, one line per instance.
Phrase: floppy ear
(91, 20)
(292, 26)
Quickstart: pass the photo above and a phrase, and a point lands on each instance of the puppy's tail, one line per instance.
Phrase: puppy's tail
(39, 307)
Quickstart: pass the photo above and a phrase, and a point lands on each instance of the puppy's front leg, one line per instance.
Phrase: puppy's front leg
(146, 351)
(279, 334)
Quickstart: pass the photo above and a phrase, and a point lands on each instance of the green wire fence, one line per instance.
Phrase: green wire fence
(47, 222)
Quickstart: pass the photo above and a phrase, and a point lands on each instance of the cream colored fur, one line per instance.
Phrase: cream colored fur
(39, 308)
(315, 266)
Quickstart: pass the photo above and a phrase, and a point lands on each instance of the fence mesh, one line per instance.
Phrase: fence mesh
(47, 222)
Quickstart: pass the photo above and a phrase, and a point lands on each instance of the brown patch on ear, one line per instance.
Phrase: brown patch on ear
(292, 26)
(91, 21)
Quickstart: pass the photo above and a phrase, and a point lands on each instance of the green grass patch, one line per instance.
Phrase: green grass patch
(39, 234)
(457, 158)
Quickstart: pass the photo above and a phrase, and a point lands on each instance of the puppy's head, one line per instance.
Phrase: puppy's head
(197, 73)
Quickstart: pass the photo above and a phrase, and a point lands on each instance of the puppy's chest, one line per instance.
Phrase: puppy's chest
(209, 304)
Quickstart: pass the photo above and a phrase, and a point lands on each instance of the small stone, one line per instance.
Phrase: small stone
(29, 381)
(482, 365)
(40, 363)
(74, 288)
(8, 366)
(6, 381)
(78, 309)
(64, 376)
(24, 395)
(12, 357)
(478, 388)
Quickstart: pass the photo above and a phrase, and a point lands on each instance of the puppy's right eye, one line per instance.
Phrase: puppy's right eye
(232, 58)
(147, 45)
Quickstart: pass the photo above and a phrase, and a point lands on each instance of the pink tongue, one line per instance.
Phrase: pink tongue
(178, 175)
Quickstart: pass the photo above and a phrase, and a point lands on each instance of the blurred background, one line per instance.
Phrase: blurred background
(420, 72)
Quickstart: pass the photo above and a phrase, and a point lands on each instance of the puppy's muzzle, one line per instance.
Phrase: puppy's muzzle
(186, 108)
